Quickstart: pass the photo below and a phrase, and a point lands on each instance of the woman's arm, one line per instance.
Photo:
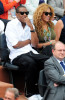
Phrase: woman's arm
(40, 45)
(58, 28)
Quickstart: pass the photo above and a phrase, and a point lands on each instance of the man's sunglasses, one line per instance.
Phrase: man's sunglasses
(48, 13)
(22, 13)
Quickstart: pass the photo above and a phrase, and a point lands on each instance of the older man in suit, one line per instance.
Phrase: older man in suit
(58, 6)
(55, 73)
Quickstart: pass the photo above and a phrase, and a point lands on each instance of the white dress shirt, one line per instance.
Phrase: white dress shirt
(60, 64)
(15, 33)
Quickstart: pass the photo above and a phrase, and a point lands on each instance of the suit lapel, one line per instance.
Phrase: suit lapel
(58, 65)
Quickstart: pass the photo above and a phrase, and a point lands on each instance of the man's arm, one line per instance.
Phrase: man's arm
(21, 44)
(13, 38)
(52, 73)
(34, 38)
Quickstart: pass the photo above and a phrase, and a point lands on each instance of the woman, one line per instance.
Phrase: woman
(44, 27)
(60, 29)
(8, 5)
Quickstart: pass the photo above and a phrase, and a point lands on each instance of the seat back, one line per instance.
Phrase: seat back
(5, 54)
(42, 83)
(4, 49)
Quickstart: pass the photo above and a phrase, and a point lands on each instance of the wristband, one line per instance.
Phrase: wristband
(32, 30)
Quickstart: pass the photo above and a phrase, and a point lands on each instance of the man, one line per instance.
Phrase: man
(55, 73)
(21, 36)
(58, 7)
(11, 94)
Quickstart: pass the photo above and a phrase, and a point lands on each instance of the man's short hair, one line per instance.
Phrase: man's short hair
(17, 9)
(15, 91)
(53, 46)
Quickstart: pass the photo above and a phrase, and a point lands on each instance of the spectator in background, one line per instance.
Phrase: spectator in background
(54, 69)
(20, 37)
(11, 94)
(44, 27)
(58, 6)
(31, 7)
(8, 5)
(9, 9)
(60, 29)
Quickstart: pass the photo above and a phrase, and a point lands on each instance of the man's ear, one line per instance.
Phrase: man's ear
(52, 50)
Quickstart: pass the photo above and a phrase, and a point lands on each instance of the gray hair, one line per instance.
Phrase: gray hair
(53, 46)
(13, 90)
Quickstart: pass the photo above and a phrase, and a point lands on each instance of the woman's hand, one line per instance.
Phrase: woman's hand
(52, 42)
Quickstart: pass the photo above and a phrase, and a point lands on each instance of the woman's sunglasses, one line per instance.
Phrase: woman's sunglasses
(48, 13)
(22, 13)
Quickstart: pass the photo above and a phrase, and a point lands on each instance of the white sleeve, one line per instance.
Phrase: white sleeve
(10, 33)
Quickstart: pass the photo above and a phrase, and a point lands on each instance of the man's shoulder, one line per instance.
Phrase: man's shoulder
(50, 59)
(14, 22)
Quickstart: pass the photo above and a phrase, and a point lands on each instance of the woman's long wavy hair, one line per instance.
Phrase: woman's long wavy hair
(37, 17)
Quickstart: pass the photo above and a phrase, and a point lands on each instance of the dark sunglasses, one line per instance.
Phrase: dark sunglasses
(22, 13)
(48, 13)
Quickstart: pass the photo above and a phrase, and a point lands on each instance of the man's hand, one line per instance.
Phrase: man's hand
(28, 22)
(21, 44)
(55, 84)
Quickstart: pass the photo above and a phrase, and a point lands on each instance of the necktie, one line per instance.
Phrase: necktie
(62, 65)
(41, 1)
(64, 4)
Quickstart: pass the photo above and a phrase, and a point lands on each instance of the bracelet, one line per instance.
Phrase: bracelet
(32, 30)
(50, 42)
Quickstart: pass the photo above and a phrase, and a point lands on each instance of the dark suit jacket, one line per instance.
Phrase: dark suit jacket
(54, 74)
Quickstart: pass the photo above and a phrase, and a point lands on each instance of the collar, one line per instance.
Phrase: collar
(59, 60)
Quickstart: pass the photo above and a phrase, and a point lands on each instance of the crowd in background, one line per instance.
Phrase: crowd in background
(33, 34)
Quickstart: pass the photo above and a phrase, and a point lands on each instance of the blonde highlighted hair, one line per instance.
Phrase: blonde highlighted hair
(37, 20)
